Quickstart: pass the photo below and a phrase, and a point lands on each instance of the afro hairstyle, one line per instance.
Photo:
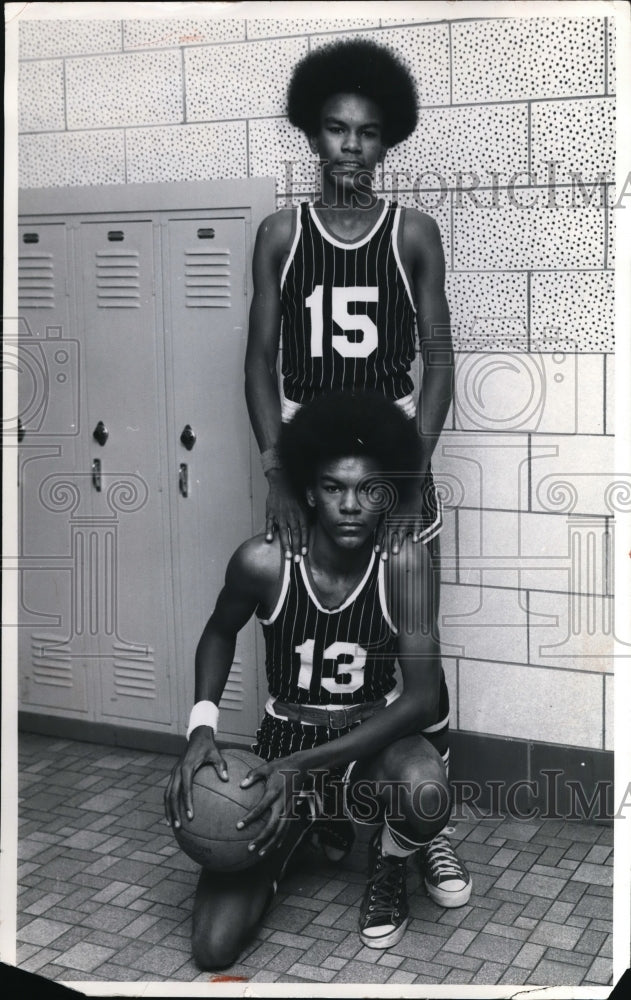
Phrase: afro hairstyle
(354, 67)
(343, 425)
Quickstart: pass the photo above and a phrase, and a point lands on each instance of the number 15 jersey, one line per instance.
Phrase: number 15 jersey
(348, 320)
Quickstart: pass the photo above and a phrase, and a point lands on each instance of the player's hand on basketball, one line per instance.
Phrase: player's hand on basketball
(285, 514)
(178, 794)
(280, 783)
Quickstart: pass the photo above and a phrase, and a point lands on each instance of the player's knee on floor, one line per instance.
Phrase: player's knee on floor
(216, 947)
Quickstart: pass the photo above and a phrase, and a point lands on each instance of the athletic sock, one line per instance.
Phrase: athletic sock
(395, 844)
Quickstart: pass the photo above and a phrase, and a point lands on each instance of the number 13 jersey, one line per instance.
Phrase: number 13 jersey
(348, 320)
(330, 656)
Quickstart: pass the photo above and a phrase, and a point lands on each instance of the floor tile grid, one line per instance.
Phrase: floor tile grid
(106, 894)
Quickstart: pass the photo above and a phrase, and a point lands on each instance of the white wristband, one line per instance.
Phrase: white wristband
(203, 713)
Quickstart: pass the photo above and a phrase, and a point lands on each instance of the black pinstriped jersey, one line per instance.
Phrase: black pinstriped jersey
(320, 656)
(348, 317)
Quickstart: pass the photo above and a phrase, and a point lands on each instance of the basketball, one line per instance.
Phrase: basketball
(211, 838)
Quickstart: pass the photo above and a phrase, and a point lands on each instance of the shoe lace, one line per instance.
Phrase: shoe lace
(441, 858)
(386, 886)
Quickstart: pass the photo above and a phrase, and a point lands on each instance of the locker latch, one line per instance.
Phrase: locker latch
(100, 433)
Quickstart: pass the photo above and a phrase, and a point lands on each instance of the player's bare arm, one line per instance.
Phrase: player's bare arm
(251, 580)
(424, 259)
(283, 510)
(409, 594)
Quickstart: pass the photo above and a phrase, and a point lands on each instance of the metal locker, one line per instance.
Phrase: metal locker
(125, 547)
(53, 662)
(205, 327)
(136, 479)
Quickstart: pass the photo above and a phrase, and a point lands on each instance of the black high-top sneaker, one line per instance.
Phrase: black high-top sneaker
(384, 913)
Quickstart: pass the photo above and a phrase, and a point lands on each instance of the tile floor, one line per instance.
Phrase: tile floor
(105, 893)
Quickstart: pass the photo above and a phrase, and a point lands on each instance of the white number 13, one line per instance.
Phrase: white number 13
(348, 677)
(340, 299)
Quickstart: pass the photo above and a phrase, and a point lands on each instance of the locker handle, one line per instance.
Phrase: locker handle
(96, 474)
(183, 479)
(100, 433)
(21, 431)
(188, 437)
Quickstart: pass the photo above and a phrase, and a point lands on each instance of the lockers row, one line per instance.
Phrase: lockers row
(135, 470)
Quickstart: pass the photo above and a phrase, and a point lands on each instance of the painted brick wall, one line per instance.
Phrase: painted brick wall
(510, 109)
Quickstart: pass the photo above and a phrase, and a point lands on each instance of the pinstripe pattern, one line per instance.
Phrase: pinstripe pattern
(317, 270)
(359, 623)
(362, 621)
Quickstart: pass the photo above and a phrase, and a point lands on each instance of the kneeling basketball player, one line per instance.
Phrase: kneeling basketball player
(335, 626)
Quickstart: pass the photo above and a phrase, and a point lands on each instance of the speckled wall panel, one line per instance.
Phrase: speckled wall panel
(576, 475)
(612, 214)
(450, 140)
(170, 31)
(41, 96)
(556, 708)
(141, 88)
(425, 49)
(611, 55)
(68, 158)
(573, 311)
(273, 27)
(511, 237)
(44, 39)
(517, 391)
(573, 632)
(488, 311)
(580, 135)
(516, 59)
(187, 152)
(240, 81)
(277, 148)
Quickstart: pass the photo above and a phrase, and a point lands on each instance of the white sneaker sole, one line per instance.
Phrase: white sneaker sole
(386, 940)
(450, 900)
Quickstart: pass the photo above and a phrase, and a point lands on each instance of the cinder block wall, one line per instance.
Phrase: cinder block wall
(525, 461)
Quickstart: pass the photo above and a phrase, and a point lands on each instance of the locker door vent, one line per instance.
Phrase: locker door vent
(207, 278)
(134, 673)
(117, 279)
(50, 667)
(232, 696)
(36, 282)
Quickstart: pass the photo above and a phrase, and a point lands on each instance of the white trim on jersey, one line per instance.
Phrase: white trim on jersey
(407, 404)
(382, 597)
(294, 244)
(339, 243)
(436, 526)
(397, 256)
(392, 695)
(351, 597)
(281, 597)
(289, 409)
(437, 725)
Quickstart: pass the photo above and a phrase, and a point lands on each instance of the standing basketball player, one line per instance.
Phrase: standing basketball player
(348, 284)
(335, 624)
